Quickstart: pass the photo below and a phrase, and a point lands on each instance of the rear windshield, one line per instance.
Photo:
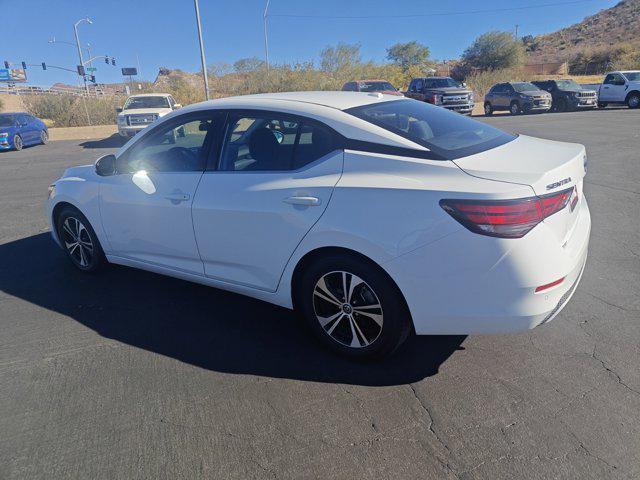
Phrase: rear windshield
(376, 86)
(448, 134)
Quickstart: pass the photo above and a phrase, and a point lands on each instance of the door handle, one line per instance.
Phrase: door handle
(178, 197)
(302, 200)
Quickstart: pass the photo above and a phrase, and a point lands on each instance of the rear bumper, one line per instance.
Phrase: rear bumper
(467, 283)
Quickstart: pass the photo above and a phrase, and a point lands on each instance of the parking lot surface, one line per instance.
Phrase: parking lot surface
(126, 374)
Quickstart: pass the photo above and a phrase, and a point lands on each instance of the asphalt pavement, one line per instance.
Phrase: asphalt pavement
(127, 374)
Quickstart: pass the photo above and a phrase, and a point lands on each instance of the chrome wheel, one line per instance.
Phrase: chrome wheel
(17, 143)
(347, 309)
(77, 241)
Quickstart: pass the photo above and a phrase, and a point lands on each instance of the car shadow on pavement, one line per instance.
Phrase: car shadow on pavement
(114, 141)
(203, 326)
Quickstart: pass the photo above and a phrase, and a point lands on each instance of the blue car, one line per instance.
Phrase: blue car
(19, 130)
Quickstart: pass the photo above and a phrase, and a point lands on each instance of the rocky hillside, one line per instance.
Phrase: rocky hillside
(609, 27)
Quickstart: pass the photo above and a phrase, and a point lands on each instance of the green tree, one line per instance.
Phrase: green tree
(493, 51)
(407, 55)
(339, 57)
(246, 65)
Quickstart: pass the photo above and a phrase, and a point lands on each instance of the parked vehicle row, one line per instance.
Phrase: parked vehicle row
(333, 203)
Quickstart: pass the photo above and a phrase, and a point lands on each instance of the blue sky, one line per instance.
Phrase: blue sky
(163, 33)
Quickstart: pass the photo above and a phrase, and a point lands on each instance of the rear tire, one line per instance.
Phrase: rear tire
(352, 306)
(488, 109)
(633, 100)
(79, 240)
(17, 143)
(515, 108)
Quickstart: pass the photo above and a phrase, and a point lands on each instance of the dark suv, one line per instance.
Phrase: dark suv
(516, 97)
(568, 95)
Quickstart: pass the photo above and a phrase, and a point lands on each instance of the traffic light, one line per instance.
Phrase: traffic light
(44, 66)
(106, 60)
(6, 64)
(81, 70)
(24, 65)
(113, 62)
(93, 78)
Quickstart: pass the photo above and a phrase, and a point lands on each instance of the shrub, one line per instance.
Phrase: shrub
(595, 61)
(72, 110)
(494, 51)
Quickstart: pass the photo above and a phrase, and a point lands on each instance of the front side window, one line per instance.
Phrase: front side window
(176, 147)
(146, 102)
(448, 134)
(271, 142)
(614, 79)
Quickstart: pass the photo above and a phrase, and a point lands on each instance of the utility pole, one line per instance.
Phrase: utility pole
(517, 30)
(266, 40)
(202, 59)
(75, 32)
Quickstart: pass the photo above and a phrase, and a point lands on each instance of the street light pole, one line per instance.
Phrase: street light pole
(75, 32)
(202, 59)
(266, 41)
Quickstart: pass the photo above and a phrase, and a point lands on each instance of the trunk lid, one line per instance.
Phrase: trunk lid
(547, 166)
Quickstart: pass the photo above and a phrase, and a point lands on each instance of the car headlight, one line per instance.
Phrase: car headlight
(122, 120)
(577, 94)
(52, 190)
(4, 135)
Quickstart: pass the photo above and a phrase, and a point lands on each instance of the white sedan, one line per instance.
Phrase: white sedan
(373, 216)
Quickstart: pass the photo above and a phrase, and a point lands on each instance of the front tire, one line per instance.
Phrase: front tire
(488, 109)
(44, 137)
(17, 143)
(79, 240)
(633, 100)
(602, 104)
(353, 307)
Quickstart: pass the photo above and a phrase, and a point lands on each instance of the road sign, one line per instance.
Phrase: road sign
(129, 71)
(91, 69)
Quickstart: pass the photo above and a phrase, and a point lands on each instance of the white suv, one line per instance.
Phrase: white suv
(139, 111)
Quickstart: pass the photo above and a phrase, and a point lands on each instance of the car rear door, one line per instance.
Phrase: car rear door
(146, 206)
(273, 181)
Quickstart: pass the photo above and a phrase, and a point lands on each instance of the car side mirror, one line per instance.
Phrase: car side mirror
(106, 165)
(118, 109)
(177, 105)
(464, 84)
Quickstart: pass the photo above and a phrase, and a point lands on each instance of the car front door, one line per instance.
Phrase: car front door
(613, 88)
(146, 206)
(273, 181)
(26, 129)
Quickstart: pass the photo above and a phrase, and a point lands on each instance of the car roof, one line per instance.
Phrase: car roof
(331, 99)
(371, 80)
(150, 95)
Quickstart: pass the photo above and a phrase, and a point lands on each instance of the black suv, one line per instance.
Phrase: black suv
(516, 97)
(568, 95)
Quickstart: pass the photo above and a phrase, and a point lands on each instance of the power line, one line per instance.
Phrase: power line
(441, 14)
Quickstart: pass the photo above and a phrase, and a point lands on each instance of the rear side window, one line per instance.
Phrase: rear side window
(273, 143)
(448, 134)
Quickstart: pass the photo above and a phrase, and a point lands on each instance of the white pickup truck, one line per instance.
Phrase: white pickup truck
(139, 111)
(621, 87)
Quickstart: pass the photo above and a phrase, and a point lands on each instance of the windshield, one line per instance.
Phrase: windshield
(632, 76)
(146, 102)
(524, 87)
(376, 87)
(448, 134)
(7, 121)
(568, 85)
(441, 83)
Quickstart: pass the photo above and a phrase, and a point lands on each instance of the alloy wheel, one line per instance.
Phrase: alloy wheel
(44, 137)
(348, 309)
(515, 109)
(17, 142)
(77, 241)
(634, 101)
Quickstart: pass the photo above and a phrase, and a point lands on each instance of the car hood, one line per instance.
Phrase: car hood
(80, 173)
(145, 111)
(450, 90)
(535, 93)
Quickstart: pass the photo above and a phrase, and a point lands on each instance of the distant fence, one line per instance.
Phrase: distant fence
(37, 90)
(549, 68)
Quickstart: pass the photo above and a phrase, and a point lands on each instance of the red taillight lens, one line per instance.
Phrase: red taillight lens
(506, 218)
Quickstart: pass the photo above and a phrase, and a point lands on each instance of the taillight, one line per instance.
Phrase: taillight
(506, 218)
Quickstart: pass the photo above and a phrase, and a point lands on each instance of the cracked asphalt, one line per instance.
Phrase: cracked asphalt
(127, 374)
